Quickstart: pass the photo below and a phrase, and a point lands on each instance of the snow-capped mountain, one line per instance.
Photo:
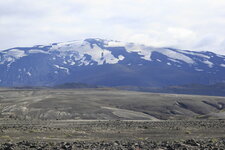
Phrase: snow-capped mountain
(107, 62)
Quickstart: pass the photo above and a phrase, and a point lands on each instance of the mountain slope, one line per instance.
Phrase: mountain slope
(109, 63)
(217, 89)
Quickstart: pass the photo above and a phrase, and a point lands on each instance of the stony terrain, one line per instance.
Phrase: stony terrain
(109, 119)
(106, 104)
(136, 135)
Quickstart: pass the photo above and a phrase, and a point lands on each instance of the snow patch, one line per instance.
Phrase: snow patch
(142, 50)
(34, 51)
(78, 50)
(195, 54)
(9, 59)
(16, 53)
(121, 57)
(222, 65)
(41, 46)
(146, 53)
(115, 44)
(197, 69)
(72, 63)
(62, 68)
(158, 60)
(176, 55)
(29, 74)
(209, 63)
(176, 61)
(84, 62)
(221, 56)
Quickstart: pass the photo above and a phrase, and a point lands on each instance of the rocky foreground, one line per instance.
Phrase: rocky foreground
(119, 145)
(110, 135)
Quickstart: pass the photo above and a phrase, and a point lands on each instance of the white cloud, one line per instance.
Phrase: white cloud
(185, 24)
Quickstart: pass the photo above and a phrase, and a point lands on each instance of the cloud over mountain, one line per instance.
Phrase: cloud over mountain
(186, 24)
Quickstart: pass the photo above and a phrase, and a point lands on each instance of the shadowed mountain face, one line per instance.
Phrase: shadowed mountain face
(217, 89)
(108, 63)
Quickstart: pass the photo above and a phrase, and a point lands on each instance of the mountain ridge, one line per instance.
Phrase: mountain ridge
(108, 63)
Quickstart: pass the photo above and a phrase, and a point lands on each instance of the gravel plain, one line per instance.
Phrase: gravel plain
(109, 119)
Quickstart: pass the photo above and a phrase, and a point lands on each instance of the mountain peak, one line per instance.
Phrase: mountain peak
(108, 62)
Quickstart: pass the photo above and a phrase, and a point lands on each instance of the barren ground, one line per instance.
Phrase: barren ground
(109, 119)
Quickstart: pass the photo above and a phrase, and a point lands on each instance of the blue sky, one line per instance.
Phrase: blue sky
(185, 24)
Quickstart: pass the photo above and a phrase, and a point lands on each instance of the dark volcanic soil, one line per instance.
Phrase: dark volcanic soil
(70, 134)
(109, 119)
(106, 104)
